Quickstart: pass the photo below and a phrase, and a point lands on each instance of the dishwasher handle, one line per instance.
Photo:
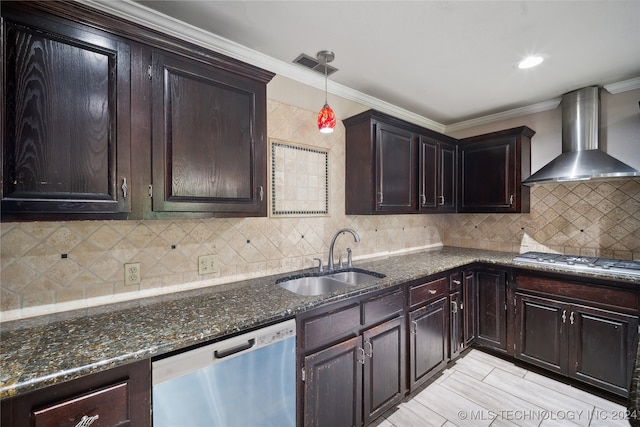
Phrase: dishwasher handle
(221, 354)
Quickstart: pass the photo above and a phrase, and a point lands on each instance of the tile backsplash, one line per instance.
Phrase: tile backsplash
(56, 266)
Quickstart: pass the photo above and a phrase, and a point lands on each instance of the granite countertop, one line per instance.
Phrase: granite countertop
(46, 350)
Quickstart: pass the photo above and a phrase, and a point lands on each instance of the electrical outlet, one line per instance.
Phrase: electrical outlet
(207, 264)
(132, 274)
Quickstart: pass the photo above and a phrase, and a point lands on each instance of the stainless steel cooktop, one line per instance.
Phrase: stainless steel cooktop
(581, 263)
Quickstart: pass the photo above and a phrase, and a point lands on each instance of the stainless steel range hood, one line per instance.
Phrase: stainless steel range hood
(581, 159)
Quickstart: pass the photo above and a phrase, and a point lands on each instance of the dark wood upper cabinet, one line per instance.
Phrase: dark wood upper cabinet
(491, 169)
(393, 166)
(380, 174)
(208, 138)
(66, 123)
(88, 95)
(437, 175)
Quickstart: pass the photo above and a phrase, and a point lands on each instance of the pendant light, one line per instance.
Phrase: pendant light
(326, 116)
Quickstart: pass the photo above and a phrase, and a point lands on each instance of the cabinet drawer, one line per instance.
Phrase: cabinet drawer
(107, 407)
(607, 296)
(428, 291)
(382, 307)
(331, 326)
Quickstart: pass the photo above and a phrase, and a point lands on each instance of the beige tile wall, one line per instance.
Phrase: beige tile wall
(34, 278)
(590, 218)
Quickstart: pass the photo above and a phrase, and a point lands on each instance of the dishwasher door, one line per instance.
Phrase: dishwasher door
(245, 381)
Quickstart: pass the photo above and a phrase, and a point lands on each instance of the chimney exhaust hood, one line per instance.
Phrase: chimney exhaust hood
(581, 159)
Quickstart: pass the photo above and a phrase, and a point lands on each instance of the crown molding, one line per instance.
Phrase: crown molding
(623, 86)
(509, 114)
(127, 9)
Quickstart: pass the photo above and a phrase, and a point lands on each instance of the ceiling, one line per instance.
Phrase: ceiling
(447, 61)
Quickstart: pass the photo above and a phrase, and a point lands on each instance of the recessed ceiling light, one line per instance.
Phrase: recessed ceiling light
(530, 61)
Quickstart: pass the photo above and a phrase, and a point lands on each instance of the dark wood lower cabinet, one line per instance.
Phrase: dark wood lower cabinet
(469, 309)
(602, 347)
(333, 385)
(117, 397)
(384, 367)
(429, 341)
(592, 345)
(492, 309)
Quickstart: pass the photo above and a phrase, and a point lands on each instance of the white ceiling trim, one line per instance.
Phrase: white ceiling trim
(510, 114)
(142, 15)
(623, 86)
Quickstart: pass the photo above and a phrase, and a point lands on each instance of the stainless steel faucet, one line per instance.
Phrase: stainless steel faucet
(356, 238)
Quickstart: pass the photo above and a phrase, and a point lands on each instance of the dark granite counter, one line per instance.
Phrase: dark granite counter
(45, 350)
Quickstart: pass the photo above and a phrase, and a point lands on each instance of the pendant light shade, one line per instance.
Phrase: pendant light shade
(326, 116)
(326, 119)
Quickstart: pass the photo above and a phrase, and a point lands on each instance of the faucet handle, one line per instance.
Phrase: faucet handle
(340, 263)
(320, 269)
(349, 260)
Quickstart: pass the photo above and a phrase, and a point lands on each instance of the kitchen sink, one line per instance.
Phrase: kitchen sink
(313, 285)
(329, 282)
(353, 277)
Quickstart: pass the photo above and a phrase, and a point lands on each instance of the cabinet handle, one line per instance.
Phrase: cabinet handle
(456, 282)
(441, 200)
(86, 421)
(414, 331)
(124, 187)
(511, 200)
(362, 354)
(261, 192)
(454, 307)
(564, 316)
(423, 199)
(370, 346)
(380, 197)
(432, 291)
(571, 318)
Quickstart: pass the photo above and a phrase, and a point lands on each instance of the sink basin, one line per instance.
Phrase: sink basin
(327, 283)
(353, 277)
(313, 285)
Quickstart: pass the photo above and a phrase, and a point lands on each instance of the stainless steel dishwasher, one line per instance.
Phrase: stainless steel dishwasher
(247, 381)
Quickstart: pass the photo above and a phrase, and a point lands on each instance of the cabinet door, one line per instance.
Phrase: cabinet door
(66, 127)
(469, 310)
(333, 385)
(395, 159)
(429, 187)
(492, 308)
(447, 163)
(455, 325)
(384, 367)
(429, 341)
(602, 347)
(541, 332)
(486, 183)
(208, 139)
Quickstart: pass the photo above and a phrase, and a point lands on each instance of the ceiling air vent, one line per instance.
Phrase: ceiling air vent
(314, 64)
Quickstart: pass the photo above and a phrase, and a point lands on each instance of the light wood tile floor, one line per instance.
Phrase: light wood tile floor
(482, 390)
